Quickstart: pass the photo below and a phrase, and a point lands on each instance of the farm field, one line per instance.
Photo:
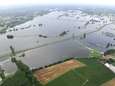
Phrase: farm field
(94, 74)
(109, 83)
(48, 74)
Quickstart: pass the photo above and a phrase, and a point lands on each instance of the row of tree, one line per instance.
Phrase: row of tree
(23, 68)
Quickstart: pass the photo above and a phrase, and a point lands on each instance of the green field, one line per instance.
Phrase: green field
(17, 80)
(94, 74)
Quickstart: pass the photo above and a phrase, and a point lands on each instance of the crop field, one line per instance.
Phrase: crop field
(48, 74)
(88, 72)
(94, 74)
(109, 83)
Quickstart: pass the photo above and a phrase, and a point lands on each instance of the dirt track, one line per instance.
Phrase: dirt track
(109, 83)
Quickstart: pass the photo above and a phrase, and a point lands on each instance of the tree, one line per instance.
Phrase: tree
(24, 68)
(2, 74)
(95, 54)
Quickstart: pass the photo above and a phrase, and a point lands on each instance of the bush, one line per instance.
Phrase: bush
(95, 54)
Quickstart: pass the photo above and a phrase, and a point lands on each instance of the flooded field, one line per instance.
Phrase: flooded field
(56, 36)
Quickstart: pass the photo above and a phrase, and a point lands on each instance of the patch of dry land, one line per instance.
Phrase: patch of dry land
(109, 83)
(50, 73)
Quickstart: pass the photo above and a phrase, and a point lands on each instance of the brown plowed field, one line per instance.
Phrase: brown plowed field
(50, 73)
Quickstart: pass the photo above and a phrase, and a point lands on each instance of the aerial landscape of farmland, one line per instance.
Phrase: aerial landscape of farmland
(57, 45)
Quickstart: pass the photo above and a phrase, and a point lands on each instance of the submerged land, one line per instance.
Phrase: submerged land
(71, 46)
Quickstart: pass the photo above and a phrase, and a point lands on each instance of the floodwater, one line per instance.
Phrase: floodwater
(53, 50)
